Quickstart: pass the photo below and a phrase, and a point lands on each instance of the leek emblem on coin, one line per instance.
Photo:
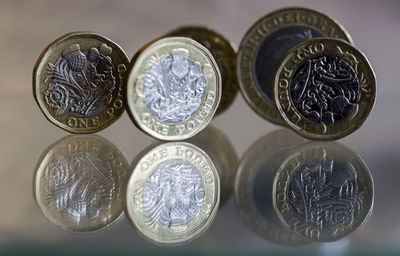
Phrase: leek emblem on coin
(79, 81)
(265, 45)
(173, 193)
(80, 183)
(174, 88)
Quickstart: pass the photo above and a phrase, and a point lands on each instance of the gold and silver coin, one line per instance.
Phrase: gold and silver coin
(79, 81)
(80, 182)
(173, 193)
(324, 89)
(253, 186)
(174, 88)
(265, 45)
(323, 191)
(225, 55)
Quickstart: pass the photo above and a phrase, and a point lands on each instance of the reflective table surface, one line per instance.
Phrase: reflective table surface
(279, 193)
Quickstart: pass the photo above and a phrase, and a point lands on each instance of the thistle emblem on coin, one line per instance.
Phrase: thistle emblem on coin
(81, 82)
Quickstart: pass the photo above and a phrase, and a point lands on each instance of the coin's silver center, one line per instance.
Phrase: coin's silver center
(174, 88)
(173, 194)
(81, 185)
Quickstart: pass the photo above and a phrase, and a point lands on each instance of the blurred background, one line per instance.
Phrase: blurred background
(27, 27)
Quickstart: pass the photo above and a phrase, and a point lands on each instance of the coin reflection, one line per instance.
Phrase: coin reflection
(79, 183)
(173, 192)
(253, 185)
(323, 191)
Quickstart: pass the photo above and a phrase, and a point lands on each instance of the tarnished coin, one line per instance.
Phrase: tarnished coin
(173, 193)
(224, 53)
(79, 81)
(80, 182)
(266, 43)
(323, 191)
(174, 88)
(253, 186)
(325, 89)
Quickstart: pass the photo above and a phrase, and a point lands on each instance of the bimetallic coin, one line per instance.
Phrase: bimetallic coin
(323, 191)
(325, 89)
(265, 45)
(80, 182)
(79, 81)
(173, 193)
(224, 53)
(253, 186)
(174, 88)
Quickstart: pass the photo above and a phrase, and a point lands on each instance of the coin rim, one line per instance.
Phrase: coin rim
(131, 208)
(305, 148)
(40, 63)
(43, 159)
(338, 132)
(142, 54)
(250, 91)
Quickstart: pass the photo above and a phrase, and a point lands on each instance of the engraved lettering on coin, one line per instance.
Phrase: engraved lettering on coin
(271, 52)
(82, 82)
(325, 89)
(80, 185)
(174, 88)
(173, 194)
(323, 192)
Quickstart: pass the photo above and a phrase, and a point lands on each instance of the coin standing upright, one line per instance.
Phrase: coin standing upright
(174, 88)
(265, 45)
(79, 81)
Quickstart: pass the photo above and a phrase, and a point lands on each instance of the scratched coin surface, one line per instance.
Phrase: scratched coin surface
(79, 183)
(79, 81)
(224, 53)
(174, 88)
(323, 191)
(173, 193)
(325, 89)
(265, 45)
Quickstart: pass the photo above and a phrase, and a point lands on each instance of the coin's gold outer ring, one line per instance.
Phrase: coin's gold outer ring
(42, 162)
(326, 47)
(257, 153)
(137, 108)
(145, 167)
(256, 34)
(310, 151)
(52, 53)
(226, 51)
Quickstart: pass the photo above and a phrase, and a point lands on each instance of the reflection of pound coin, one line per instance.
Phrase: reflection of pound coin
(79, 80)
(174, 88)
(173, 193)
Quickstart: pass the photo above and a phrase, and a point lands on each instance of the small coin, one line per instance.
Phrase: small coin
(253, 186)
(266, 43)
(173, 193)
(174, 88)
(325, 89)
(224, 53)
(323, 191)
(80, 182)
(79, 80)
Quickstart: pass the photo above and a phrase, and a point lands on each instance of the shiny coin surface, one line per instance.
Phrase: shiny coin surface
(173, 193)
(224, 53)
(78, 82)
(174, 88)
(325, 89)
(265, 45)
(323, 191)
(80, 183)
(253, 186)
